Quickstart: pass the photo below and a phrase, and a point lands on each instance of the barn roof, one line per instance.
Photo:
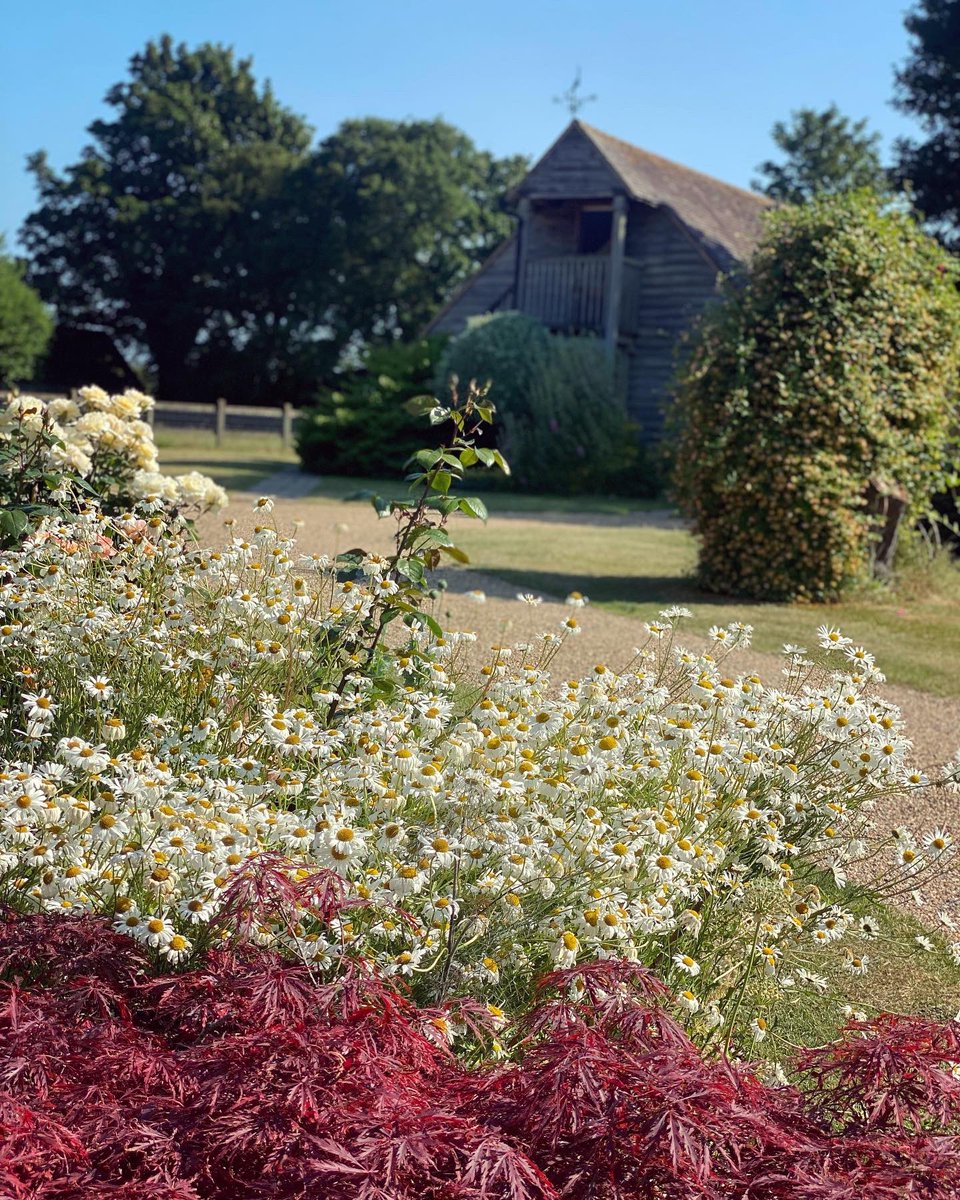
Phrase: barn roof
(716, 213)
(585, 163)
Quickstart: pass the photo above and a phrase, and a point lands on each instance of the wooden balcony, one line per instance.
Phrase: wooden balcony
(570, 293)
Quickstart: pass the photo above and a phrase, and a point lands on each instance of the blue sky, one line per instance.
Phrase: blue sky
(699, 81)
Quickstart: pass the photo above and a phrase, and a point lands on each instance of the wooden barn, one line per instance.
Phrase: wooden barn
(616, 242)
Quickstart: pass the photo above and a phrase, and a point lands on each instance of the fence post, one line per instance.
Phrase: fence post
(221, 426)
(286, 432)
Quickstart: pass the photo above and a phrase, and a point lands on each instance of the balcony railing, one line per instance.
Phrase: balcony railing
(569, 293)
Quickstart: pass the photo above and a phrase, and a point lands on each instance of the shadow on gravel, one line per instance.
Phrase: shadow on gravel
(662, 590)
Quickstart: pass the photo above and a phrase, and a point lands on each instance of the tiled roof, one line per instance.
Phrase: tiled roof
(717, 213)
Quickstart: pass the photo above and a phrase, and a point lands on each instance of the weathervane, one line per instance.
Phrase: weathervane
(572, 97)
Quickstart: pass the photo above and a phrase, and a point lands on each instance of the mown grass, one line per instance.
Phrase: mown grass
(902, 977)
(637, 570)
(240, 464)
(244, 460)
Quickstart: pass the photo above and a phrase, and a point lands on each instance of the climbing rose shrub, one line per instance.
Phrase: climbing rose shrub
(833, 363)
(59, 455)
(247, 1078)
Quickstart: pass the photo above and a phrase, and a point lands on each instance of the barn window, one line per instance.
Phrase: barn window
(595, 227)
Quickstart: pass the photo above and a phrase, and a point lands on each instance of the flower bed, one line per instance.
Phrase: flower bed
(174, 714)
(436, 930)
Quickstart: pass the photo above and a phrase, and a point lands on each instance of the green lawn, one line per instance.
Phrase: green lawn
(239, 464)
(902, 978)
(629, 568)
(245, 459)
(638, 570)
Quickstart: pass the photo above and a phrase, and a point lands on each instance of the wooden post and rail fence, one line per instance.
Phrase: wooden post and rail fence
(219, 418)
(222, 418)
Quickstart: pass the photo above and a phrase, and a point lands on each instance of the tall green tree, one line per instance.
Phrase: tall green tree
(928, 87)
(413, 208)
(180, 229)
(25, 325)
(825, 152)
(202, 227)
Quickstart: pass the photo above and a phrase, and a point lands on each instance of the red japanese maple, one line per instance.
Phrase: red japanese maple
(245, 1078)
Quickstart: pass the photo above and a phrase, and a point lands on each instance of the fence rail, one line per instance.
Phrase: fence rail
(220, 417)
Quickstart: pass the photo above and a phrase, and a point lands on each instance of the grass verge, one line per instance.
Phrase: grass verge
(637, 570)
(903, 977)
(240, 463)
(245, 459)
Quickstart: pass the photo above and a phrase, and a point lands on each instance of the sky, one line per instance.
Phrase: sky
(698, 81)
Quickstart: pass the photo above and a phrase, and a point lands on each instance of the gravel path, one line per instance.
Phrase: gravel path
(331, 527)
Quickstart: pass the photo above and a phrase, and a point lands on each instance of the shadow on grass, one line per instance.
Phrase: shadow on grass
(585, 510)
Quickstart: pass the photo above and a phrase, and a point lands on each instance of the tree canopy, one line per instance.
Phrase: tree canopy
(825, 152)
(25, 325)
(203, 227)
(174, 229)
(414, 208)
(928, 87)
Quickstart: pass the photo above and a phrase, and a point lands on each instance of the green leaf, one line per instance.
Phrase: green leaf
(412, 569)
(426, 458)
(434, 537)
(13, 522)
(486, 456)
(443, 504)
(468, 457)
(419, 406)
(441, 481)
(456, 553)
(473, 506)
(432, 624)
(501, 462)
(383, 688)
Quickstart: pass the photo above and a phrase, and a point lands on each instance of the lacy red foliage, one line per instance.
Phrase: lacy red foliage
(245, 1078)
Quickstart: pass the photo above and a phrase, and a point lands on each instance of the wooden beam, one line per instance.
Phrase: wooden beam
(524, 209)
(618, 242)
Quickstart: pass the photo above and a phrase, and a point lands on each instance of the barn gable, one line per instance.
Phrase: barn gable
(615, 242)
(574, 168)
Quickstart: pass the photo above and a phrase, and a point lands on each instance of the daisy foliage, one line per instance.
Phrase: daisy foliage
(176, 718)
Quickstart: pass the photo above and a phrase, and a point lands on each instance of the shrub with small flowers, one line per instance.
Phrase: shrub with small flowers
(175, 716)
(833, 365)
(60, 453)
